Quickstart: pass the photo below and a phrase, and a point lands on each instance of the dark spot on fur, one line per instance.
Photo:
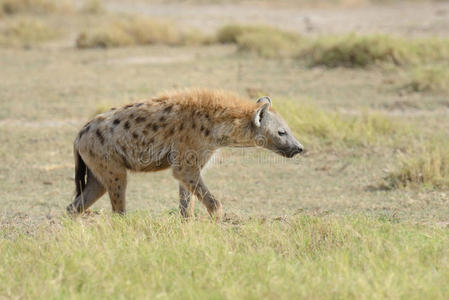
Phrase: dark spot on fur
(191, 181)
(135, 135)
(118, 196)
(172, 130)
(100, 136)
(202, 128)
(149, 125)
(207, 132)
(144, 132)
(131, 115)
(139, 104)
(168, 109)
(125, 161)
(179, 168)
(116, 178)
(119, 187)
(162, 119)
(151, 141)
(113, 108)
(116, 122)
(193, 125)
(207, 116)
(155, 127)
(140, 119)
(181, 127)
(126, 126)
(91, 153)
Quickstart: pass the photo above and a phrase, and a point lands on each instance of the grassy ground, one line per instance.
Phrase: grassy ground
(299, 257)
(363, 214)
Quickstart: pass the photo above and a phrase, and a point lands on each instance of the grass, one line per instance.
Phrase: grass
(264, 41)
(26, 32)
(358, 51)
(432, 79)
(127, 31)
(139, 256)
(10, 7)
(426, 166)
(319, 127)
(93, 7)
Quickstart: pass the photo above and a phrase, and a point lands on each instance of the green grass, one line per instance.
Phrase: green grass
(25, 32)
(133, 31)
(318, 127)
(140, 256)
(431, 79)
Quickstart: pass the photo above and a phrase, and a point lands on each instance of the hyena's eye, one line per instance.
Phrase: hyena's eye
(282, 132)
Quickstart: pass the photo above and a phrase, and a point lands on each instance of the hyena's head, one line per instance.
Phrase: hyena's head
(272, 132)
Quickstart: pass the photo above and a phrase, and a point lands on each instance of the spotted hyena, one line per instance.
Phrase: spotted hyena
(177, 130)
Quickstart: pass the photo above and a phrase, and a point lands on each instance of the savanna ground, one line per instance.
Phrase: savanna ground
(363, 214)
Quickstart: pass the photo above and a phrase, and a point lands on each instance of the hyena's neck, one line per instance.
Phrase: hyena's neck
(234, 132)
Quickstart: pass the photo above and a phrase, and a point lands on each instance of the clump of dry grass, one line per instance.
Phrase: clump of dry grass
(34, 6)
(262, 40)
(93, 7)
(427, 166)
(25, 32)
(434, 79)
(355, 51)
(136, 31)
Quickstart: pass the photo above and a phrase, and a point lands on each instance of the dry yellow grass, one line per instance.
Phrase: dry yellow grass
(130, 31)
(35, 6)
(26, 32)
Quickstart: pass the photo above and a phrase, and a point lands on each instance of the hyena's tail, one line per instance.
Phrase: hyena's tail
(80, 173)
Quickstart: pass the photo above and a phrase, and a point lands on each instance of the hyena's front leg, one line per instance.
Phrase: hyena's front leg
(192, 181)
(186, 202)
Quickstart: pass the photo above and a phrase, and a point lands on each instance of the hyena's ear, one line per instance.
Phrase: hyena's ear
(264, 99)
(260, 113)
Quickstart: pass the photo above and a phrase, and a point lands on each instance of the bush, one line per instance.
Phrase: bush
(25, 32)
(433, 79)
(428, 166)
(135, 31)
(33, 6)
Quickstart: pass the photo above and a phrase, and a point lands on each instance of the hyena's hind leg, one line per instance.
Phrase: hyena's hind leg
(186, 202)
(91, 193)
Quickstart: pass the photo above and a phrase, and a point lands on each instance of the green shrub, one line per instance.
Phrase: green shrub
(135, 31)
(433, 79)
(26, 31)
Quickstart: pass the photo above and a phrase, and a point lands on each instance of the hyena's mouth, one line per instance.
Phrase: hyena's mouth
(289, 153)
